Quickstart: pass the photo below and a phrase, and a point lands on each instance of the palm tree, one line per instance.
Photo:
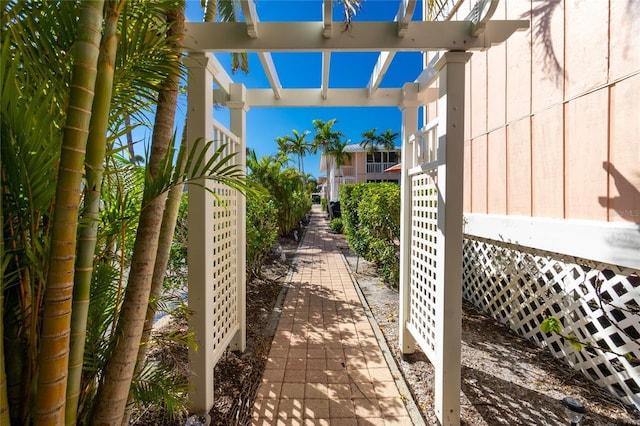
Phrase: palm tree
(388, 139)
(96, 151)
(113, 393)
(369, 140)
(338, 152)
(282, 155)
(299, 146)
(372, 141)
(324, 140)
(54, 347)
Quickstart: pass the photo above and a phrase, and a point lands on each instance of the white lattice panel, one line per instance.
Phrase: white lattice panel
(424, 230)
(596, 302)
(225, 298)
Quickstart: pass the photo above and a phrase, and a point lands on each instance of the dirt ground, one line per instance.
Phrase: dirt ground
(506, 380)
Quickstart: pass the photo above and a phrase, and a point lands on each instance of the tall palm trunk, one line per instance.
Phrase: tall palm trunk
(167, 230)
(114, 390)
(96, 148)
(54, 350)
(4, 401)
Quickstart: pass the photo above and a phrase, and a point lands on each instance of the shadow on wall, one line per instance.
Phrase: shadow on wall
(627, 204)
(543, 12)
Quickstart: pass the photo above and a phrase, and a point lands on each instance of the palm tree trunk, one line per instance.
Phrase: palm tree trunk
(96, 148)
(114, 390)
(4, 401)
(54, 350)
(167, 230)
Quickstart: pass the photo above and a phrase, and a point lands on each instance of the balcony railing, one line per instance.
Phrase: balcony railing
(378, 167)
(345, 171)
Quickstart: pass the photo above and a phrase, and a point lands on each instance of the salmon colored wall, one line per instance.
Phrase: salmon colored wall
(553, 115)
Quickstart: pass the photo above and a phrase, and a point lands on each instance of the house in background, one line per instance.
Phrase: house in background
(365, 165)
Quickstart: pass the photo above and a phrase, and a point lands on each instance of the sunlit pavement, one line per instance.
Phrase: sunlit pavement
(325, 366)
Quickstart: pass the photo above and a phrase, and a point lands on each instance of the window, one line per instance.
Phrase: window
(382, 157)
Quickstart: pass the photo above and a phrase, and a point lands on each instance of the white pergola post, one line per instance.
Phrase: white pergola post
(409, 108)
(448, 318)
(201, 241)
(238, 111)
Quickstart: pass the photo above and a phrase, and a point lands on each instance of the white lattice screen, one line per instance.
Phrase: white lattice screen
(597, 302)
(424, 238)
(225, 277)
(424, 220)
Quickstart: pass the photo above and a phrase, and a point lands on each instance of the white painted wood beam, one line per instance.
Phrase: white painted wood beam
(379, 70)
(272, 74)
(405, 13)
(251, 20)
(250, 17)
(429, 74)
(362, 36)
(327, 18)
(220, 76)
(326, 65)
(403, 17)
(313, 98)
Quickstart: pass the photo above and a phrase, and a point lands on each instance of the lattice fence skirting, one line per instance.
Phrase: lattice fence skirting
(597, 302)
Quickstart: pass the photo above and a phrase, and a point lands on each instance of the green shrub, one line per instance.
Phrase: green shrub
(371, 216)
(262, 230)
(323, 204)
(336, 225)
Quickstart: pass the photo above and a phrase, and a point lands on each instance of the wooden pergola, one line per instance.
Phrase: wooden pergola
(454, 40)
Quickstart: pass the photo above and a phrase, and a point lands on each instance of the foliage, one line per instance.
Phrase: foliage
(262, 230)
(323, 204)
(337, 225)
(176, 277)
(285, 187)
(371, 216)
(385, 140)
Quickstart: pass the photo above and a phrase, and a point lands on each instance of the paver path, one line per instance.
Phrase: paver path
(325, 366)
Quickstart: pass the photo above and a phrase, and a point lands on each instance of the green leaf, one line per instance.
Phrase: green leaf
(551, 325)
(573, 341)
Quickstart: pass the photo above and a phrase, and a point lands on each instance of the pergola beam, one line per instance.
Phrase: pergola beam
(362, 36)
(334, 97)
(327, 18)
(380, 70)
(251, 20)
(272, 74)
(405, 13)
(250, 17)
(220, 76)
(326, 65)
(403, 17)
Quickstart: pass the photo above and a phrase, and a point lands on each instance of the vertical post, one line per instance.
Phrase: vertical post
(409, 108)
(451, 68)
(239, 107)
(200, 252)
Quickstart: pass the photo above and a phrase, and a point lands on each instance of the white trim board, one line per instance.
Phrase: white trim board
(615, 243)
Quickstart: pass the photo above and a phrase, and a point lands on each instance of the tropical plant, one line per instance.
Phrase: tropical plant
(262, 230)
(324, 139)
(37, 39)
(383, 141)
(298, 145)
(338, 152)
(336, 225)
(285, 187)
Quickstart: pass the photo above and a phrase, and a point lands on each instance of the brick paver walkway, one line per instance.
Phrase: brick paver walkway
(325, 366)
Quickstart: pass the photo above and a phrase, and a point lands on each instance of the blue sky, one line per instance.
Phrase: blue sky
(303, 70)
